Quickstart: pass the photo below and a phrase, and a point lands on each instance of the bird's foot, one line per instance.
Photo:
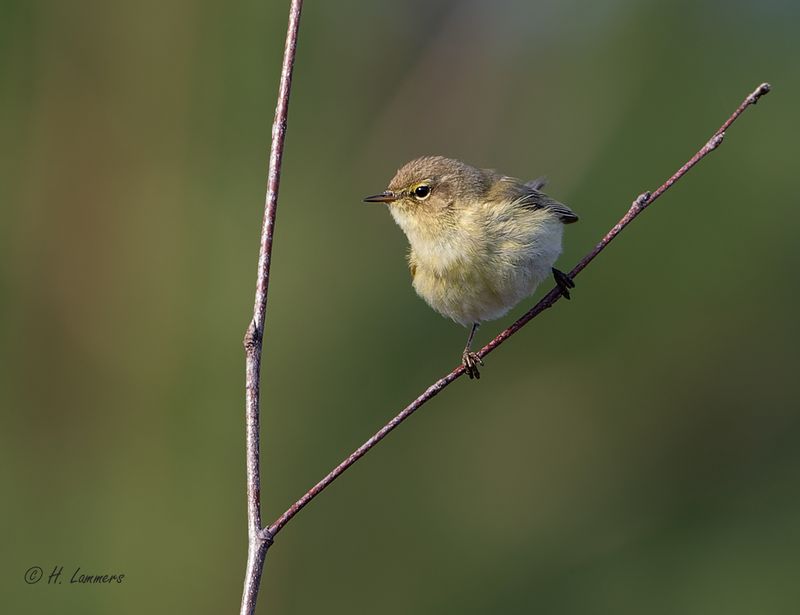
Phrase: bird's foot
(564, 282)
(470, 360)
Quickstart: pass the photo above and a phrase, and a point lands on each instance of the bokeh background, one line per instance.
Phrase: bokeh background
(631, 451)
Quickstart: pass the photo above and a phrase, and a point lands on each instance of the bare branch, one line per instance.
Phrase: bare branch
(546, 302)
(260, 540)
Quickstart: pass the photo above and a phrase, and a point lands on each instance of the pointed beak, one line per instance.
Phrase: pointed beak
(387, 196)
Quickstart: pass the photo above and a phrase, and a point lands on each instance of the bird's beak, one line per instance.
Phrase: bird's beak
(387, 196)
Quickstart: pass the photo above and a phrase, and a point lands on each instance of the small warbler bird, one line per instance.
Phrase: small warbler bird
(480, 241)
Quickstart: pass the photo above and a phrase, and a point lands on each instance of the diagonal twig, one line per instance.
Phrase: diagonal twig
(259, 540)
(641, 202)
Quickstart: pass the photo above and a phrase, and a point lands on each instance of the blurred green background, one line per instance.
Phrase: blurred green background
(631, 451)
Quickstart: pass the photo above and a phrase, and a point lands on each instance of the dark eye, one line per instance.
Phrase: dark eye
(422, 191)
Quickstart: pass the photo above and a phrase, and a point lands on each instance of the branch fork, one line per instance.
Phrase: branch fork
(260, 539)
(639, 204)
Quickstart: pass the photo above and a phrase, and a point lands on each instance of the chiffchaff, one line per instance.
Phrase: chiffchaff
(480, 241)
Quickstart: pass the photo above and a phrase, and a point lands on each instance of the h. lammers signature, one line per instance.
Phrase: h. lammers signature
(34, 574)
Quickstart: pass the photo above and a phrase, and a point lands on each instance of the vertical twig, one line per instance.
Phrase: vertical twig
(259, 540)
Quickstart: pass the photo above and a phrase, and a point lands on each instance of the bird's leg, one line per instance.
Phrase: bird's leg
(469, 359)
(564, 282)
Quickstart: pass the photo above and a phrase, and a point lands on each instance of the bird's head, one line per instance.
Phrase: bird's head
(432, 187)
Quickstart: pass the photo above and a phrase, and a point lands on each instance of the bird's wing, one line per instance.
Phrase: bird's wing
(537, 184)
(530, 197)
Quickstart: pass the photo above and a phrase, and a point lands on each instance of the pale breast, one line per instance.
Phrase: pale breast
(480, 276)
(484, 261)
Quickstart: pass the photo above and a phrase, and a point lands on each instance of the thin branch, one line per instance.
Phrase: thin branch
(260, 540)
(546, 302)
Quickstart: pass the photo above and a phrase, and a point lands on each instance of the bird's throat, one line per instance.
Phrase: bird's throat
(436, 246)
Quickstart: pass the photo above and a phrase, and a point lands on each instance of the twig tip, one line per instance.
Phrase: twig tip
(760, 91)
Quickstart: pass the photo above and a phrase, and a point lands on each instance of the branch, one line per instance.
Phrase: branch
(260, 540)
(641, 202)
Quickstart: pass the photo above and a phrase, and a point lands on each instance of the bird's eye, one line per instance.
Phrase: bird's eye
(422, 191)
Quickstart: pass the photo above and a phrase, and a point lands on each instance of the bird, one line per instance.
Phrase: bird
(479, 241)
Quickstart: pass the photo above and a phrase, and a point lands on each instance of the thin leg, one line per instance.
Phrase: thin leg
(563, 281)
(469, 359)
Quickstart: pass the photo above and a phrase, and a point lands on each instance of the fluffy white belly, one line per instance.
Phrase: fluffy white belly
(483, 281)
